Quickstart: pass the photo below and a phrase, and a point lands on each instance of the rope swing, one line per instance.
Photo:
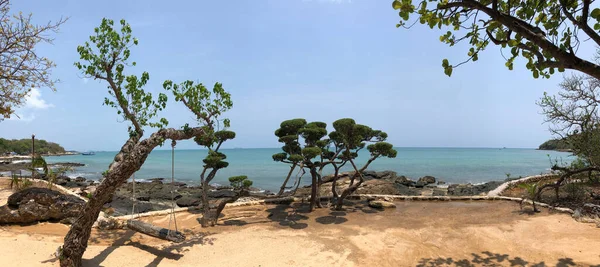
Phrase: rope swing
(150, 229)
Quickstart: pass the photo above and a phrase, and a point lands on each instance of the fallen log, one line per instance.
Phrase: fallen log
(155, 231)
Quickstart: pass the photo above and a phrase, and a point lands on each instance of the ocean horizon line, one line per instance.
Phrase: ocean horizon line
(257, 148)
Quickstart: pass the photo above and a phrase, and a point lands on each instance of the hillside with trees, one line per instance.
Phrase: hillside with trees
(23, 146)
(556, 144)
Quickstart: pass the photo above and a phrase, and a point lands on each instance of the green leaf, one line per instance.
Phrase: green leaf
(595, 13)
(396, 4)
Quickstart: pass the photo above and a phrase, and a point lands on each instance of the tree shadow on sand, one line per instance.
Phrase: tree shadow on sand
(487, 258)
(289, 215)
(172, 251)
(296, 215)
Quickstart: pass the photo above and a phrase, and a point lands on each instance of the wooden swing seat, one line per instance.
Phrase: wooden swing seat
(155, 231)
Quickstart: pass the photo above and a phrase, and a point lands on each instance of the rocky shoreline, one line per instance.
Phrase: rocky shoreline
(159, 194)
(26, 166)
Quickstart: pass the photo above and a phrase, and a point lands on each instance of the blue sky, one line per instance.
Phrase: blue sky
(320, 60)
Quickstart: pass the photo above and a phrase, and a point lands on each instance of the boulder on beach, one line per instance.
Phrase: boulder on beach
(381, 204)
(187, 202)
(221, 193)
(40, 204)
(427, 180)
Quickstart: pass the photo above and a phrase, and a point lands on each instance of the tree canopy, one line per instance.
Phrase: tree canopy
(546, 34)
(21, 68)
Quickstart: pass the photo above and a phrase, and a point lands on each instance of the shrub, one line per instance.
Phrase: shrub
(575, 191)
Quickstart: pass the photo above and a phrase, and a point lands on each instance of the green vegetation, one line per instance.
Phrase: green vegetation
(240, 182)
(531, 189)
(306, 145)
(106, 58)
(23, 147)
(18, 183)
(556, 144)
(347, 140)
(545, 35)
(288, 135)
(213, 162)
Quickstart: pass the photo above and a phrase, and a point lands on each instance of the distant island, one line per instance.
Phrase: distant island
(23, 147)
(556, 144)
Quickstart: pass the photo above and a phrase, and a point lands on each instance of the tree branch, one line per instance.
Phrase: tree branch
(566, 59)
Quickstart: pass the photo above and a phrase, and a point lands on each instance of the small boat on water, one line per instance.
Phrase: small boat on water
(89, 153)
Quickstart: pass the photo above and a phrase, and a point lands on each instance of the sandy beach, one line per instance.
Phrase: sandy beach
(414, 234)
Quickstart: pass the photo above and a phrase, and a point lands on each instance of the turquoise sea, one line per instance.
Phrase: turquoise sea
(452, 165)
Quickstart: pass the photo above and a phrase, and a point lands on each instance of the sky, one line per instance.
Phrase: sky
(315, 59)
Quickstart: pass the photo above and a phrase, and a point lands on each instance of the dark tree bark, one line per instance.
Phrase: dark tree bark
(282, 189)
(314, 188)
(129, 160)
(353, 186)
(334, 181)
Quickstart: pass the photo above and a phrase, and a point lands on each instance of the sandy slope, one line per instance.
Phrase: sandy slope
(415, 234)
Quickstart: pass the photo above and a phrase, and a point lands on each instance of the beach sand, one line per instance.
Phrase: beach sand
(414, 234)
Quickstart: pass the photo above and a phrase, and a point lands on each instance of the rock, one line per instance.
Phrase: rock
(386, 175)
(178, 184)
(420, 184)
(382, 187)
(372, 174)
(223, 187)
(381, 204)
(427, 179)
(143, 198)
(589, 209)
(61, 181)
(187, 202)
(157, 180)
(80, 179)
(221, 194)
(165, 194)
(472, 190)
(441, 182)
(40, 204)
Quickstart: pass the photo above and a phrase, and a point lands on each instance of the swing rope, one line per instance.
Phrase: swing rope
(172, 215)
(145, 228)
(134, 201)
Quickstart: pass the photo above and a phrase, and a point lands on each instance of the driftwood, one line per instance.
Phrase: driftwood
(155, 231)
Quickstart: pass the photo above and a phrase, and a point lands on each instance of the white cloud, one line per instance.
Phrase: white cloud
(34, 100)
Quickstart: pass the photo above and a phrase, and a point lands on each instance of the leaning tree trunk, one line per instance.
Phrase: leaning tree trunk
(334, 182)
(348, 191)
(314, 189)
(282, 189)
(132, 156)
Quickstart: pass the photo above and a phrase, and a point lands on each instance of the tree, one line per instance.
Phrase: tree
(574, 117)
(306, 154)
(288, 135)
(213, 162)
(546, 34)
(349, 138)
(531, 190)
(105, 58)
(240, 182)
(21, 68)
